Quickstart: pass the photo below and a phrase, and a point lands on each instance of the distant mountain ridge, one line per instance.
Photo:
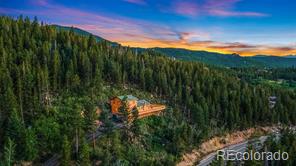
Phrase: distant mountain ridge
(211, 58)
(82, 32)
(291, 56)
(229, 60)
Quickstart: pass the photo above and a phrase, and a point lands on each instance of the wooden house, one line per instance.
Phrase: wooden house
(133, 103)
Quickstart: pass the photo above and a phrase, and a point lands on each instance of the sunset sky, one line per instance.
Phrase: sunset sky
(246, 27)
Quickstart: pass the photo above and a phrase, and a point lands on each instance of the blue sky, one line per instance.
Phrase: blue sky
(247, 27)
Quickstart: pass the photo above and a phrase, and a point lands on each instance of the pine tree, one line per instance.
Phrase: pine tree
(15, 130)
(124, 110)
(135, 126)
(66, 152)
(30, 146)
(55, 68)
(84, 154)
(9, 153)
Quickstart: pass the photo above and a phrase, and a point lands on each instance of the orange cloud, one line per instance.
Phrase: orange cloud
(212, 46)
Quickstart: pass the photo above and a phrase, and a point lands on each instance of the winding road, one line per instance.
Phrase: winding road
(240, 147)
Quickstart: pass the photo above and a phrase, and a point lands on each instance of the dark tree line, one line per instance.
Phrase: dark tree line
(286, 142)
(249, 74)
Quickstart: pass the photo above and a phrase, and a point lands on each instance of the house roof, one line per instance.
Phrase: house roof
(142, 102)
(128, 97)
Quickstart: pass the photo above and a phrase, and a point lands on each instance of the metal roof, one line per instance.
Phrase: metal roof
(142, 102)
(128, 97)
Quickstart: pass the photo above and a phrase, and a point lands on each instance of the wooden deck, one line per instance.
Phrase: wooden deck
(151, 109)
(144, 109)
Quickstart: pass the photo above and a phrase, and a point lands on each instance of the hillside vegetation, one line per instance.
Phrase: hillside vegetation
(83, 33)
(283, 141)
(228, 60)
(210, 58)
(52, 81)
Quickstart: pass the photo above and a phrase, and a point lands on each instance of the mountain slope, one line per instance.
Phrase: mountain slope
(211, 58)
(274, 61)
(228, 60)
(217, 59)
(83, 33)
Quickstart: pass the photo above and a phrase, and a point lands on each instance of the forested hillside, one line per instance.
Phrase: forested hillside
(275, 78)
(286, 142)
(82, 32)
(228, 60)
(217, 59)
(210, 58)
(50, 78)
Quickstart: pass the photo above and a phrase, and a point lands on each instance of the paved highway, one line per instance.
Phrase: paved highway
(240, 147)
